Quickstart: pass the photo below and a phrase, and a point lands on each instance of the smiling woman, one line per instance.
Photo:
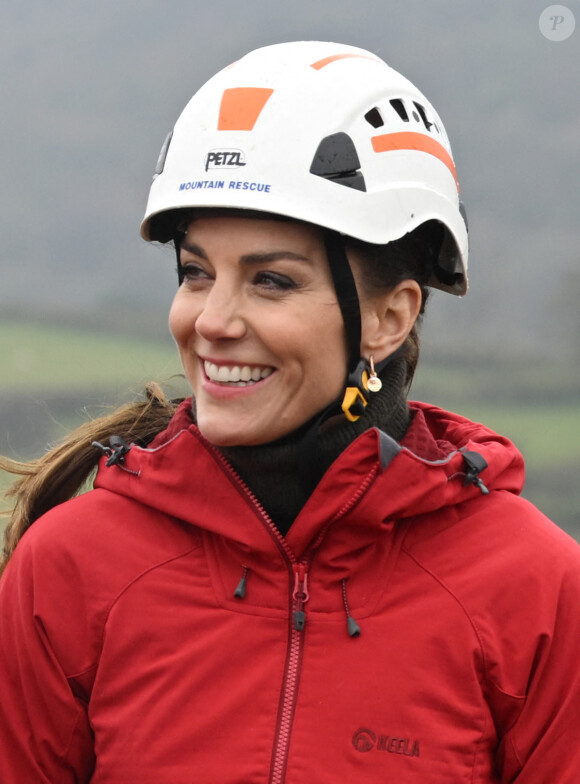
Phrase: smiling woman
(257, 298)
(367, 558)
(254, 299)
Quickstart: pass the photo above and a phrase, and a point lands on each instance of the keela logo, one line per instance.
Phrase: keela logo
(224, 159)
(365, 740)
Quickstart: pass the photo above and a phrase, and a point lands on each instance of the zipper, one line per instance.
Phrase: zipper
(297, 616)
(292, 673)
(263, 515)
(297, 599)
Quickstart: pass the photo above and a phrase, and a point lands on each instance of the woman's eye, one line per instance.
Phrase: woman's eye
(191, 273)
(275, 281)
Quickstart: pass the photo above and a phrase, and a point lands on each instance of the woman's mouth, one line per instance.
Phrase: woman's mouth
(236, 375)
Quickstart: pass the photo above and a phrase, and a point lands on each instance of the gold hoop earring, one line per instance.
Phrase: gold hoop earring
(374, 384)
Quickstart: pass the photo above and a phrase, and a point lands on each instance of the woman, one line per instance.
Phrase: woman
(297, 575)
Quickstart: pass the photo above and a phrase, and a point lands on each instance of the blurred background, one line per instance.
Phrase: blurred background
(88, 92)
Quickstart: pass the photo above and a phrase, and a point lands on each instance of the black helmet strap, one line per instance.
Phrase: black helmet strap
(346, 293)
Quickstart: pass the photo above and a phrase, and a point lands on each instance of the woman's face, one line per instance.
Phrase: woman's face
(258, 327)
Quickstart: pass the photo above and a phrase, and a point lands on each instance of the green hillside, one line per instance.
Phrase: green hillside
(52, 379)
(46, 358)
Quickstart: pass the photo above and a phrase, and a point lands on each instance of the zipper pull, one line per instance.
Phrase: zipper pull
(300, 595)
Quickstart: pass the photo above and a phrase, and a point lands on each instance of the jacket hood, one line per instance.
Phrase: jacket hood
(184, 476)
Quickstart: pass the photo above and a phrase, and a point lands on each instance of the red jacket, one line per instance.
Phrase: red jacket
(127, 657)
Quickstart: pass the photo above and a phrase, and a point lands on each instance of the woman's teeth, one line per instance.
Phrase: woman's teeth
(238, 375)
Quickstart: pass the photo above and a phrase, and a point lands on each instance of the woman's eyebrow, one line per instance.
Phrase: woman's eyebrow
(191, 247)
(268, 256)
(248, 258)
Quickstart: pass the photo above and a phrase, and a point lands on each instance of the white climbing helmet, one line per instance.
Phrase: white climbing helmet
(319, 132)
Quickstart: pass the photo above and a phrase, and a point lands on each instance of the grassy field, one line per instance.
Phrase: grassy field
(535, 404)
(543, 433)
(538, 407)
(52, 358)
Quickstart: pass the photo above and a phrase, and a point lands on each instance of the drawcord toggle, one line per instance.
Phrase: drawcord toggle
(475, 465)
(115, 452)
(240, 592)
(351, 625)
(300, 596)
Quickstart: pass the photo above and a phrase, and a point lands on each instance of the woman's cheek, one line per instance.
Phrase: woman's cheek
(177, 319)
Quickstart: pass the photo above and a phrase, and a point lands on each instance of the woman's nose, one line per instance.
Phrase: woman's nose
(221, 317)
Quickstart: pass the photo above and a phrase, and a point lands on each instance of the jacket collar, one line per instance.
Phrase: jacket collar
(184, 476)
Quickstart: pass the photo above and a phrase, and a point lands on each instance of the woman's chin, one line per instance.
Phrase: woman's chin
(220, 434)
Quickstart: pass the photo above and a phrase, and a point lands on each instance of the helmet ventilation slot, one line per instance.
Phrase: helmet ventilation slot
(399, 107)
(374, 118)
(419, 113)
(336, 159)
(423, 114)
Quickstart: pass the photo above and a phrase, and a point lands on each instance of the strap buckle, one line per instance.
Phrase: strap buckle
(354, 401)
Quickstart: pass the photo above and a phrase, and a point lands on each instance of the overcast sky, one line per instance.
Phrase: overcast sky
(89, 90)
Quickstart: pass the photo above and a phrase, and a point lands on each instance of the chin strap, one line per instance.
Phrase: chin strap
(346, 293)
(358, 372)
(361, 375)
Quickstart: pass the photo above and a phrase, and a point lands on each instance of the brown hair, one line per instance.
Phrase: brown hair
(64, 471)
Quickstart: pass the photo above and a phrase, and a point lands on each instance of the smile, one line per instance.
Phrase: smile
(236, 375)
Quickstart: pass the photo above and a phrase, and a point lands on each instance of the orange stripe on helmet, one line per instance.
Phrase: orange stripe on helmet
(241, 107)
(409, 140)
(327, 60)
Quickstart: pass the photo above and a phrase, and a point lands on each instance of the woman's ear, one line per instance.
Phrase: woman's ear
(388, 318)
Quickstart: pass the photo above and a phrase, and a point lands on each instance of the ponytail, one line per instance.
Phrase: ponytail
(68, 468)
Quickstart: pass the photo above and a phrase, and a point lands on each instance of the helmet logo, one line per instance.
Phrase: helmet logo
(224, 159)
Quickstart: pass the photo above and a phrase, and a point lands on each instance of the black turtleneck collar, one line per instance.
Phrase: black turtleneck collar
(275, 472)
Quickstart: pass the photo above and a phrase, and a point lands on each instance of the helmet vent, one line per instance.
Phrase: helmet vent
(423, 114)
(336, 159)
(374, 118)
(399, 107)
